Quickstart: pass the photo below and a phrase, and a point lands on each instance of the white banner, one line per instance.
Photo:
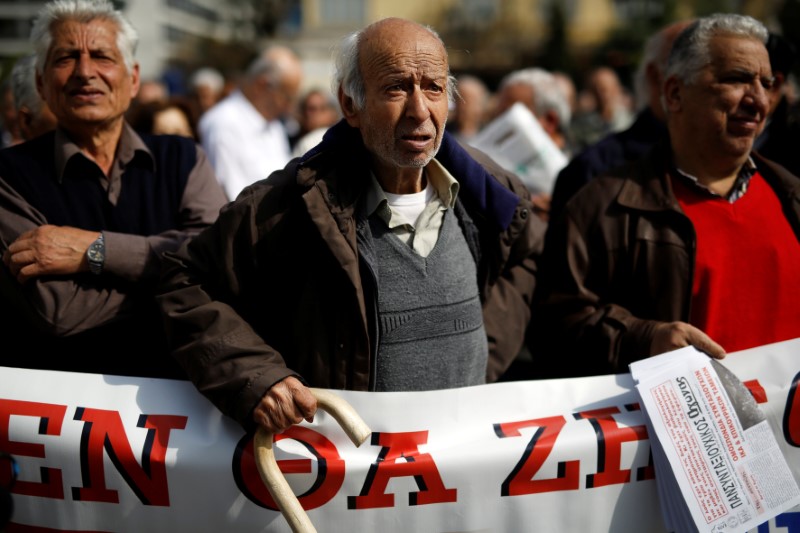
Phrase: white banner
(109, 453)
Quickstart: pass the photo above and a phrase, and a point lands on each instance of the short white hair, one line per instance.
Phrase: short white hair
(207, 77)
(82, 11)
(547, 93)
(23, 85)
(690, 52)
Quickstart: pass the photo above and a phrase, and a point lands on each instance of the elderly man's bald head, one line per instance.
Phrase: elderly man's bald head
(387, 32)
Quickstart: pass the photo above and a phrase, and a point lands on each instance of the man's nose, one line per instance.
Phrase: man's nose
(759, 96)
(83, 67)
(417, 105)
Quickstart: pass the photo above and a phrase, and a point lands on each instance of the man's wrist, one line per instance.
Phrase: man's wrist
(96, 255)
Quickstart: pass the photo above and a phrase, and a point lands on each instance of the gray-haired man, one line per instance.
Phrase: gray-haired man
(695, 244)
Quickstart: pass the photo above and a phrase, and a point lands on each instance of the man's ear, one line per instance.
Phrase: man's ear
(673, 97)
(653, 77)
(549, 122)
(24, 120)
(135, 80)
(349, 111)
(780, 79)
(39, 85)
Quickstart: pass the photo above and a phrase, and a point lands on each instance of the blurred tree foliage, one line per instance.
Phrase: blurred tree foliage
(555, 53)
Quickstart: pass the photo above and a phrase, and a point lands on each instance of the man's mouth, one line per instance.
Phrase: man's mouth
(85, 93)
(745, 124)
(418, 141)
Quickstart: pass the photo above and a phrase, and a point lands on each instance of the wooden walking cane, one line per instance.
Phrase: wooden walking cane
(271, 475)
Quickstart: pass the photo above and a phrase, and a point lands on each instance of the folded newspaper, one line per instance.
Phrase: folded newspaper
(718, 465)
(517, 142)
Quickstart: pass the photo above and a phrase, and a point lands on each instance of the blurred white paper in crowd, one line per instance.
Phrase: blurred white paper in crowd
(517, 142)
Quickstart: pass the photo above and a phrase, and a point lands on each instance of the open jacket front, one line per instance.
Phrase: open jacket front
(287, 285)
(622, 259)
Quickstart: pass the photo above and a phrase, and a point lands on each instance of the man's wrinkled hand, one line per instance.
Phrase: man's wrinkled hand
(673, 335)
(285, 404)
(49, 250)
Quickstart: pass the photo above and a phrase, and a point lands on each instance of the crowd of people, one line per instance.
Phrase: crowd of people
(258, 237)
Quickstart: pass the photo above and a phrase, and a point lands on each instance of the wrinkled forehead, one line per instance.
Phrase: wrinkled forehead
(727, 50)
(401, 47)
(94, 33)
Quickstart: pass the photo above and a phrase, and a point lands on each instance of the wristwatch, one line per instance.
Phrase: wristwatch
(96, 255)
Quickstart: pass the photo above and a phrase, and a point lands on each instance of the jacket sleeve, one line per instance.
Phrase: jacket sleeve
(61, 306)
(579, 331)
(511, 280)
(507, 303)
(137, 258)
(220, 351)
(54, 305)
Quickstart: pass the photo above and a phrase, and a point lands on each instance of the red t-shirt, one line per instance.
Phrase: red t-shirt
(746, 288)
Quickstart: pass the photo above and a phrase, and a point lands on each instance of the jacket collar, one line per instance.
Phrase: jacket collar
(497, 203)
(648, 188)
(778, 177)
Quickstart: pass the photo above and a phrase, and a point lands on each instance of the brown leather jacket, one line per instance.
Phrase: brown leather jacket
(279, 285)
(619, 260)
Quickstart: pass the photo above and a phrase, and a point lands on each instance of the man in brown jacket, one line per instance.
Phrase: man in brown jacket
(695, 244)
(387, 258)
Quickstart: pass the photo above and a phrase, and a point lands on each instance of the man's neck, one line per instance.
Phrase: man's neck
(260, 101)
(99, 144)
(718, 176)
(400, 180)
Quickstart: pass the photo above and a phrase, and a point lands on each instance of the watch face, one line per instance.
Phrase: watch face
(95, 253)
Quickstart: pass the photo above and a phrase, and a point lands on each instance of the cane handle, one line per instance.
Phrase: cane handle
(352, 424)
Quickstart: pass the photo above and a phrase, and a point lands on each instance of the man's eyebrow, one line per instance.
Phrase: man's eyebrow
(739, 72)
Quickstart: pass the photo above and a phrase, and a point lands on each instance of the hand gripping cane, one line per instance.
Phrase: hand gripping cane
(271, 475)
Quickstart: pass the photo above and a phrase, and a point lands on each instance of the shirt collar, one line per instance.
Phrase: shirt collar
(441, 180)
(445, 184)
(739, 186)
(128, 146)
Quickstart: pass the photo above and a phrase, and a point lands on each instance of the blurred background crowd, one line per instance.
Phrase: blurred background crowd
(577, 65)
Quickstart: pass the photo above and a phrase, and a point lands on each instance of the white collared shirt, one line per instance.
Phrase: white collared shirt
(422, 233)
(242, 146)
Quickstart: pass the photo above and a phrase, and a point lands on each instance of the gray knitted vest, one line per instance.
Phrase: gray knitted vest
(429, 313)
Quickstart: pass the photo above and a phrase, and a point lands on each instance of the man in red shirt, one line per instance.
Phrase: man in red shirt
(694, 244)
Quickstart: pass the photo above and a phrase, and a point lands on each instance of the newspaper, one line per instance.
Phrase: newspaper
(718, 465)
(517, 142)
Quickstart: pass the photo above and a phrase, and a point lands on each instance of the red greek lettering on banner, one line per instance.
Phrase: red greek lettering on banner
(610, 438)
(400, 457)
(104, 430)
(791, 414)
(520, 481)
(330, 469)
(757, 390)
(51, 417)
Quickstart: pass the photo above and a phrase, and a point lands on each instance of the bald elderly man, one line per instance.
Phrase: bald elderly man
(388, 258)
